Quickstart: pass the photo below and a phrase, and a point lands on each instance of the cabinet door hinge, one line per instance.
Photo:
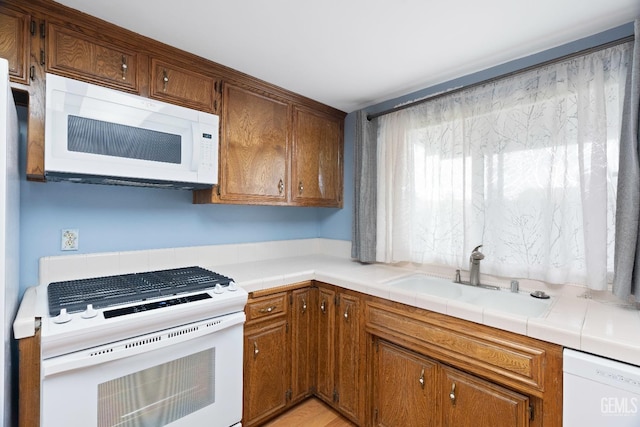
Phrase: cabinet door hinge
(32, 27)
(43, 28)
(336, 396)
(42, 57)
(375, 415)
(288, 395)
(336, 301)
(291, 299)
(286, 325)
(531, 411)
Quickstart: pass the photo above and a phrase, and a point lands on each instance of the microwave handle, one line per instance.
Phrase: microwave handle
(197, 138)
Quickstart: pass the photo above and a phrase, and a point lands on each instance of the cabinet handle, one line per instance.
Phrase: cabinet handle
(323, 306)
(304, 305)
(124, 67)
(346, 313)
(421, 379)
(268, 309)
(300, 188)
(452, 395)
(280, 187)
(165, 80)
(255, 349)
(32, 73)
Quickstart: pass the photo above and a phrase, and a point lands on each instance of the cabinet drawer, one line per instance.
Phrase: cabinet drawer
(266, 307)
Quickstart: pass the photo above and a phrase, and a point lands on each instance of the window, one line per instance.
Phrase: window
(525, 166)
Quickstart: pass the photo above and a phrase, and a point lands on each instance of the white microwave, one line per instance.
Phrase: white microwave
(98, 135)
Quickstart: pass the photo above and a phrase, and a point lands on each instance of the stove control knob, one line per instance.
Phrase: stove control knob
(63, 317)
(218, 289)
(90, 312)
(232, 286)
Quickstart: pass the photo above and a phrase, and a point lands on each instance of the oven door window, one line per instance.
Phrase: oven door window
(159, 395)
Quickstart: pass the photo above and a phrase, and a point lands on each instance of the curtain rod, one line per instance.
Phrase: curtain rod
(502, 76)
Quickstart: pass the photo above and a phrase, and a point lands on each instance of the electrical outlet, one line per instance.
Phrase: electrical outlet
(69, 239)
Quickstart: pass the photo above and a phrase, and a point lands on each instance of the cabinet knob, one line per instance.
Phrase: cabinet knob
(268, 309)
(421, 379)
(280, 187)
(323, 306)
(452, 395)
(346, 313)
(255, 349)
(124, 67)
(304, 305)
(165, 80)
(300, 188)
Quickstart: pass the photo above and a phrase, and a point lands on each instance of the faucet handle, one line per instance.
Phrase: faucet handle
(476, 254)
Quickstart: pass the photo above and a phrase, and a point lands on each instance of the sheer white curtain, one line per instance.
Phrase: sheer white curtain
(525, 166)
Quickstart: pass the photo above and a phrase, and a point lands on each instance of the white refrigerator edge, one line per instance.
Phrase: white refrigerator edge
(9, 238)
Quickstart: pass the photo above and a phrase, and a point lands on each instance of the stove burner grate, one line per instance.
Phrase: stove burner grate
(108, 291)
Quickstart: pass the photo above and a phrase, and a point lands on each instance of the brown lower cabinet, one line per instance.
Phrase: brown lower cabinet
(470, 401)
(381, 363)
(410, 389)
(404, 387)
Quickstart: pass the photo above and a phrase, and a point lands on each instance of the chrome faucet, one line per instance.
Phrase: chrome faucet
(474, 266)
(474, 273)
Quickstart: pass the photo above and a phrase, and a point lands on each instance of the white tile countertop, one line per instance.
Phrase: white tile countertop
(591, 322)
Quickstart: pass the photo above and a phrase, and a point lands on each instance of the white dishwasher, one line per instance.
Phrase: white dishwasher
(599, 392)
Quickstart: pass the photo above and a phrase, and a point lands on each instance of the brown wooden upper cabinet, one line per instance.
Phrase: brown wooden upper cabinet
(179, 85)
(316, 159)
(275, 152)
(79, 54)
(253, 148)
(14, 42)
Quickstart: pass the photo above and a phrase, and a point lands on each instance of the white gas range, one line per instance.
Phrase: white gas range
(155, 348)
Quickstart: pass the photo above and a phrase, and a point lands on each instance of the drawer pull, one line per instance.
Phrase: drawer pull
(304, 305)
(452, 395)
(255, 349)
(280, 186)
(323, 306)
(268, 309)
(421, 379)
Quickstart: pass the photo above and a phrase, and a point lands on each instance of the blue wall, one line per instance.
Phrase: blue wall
(127, 218)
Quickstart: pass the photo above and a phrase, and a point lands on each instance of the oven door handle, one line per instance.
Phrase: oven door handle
(131, 347)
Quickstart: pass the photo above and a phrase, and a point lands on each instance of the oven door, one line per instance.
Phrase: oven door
(185, 376)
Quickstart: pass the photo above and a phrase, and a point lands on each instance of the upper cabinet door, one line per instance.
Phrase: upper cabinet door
(14, 43)
(317, 159)
(178, 85)
(254, 147)
(78, 55)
